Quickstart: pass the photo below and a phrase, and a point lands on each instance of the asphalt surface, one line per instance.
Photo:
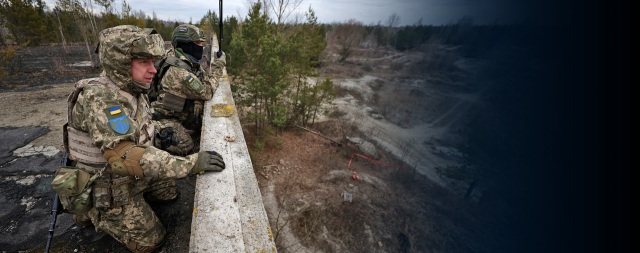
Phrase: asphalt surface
(26, 202)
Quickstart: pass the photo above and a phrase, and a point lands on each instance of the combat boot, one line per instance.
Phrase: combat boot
(82, 220)
(135, 247)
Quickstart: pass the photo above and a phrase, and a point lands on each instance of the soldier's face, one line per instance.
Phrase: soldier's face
(142, 70)
(199, 43)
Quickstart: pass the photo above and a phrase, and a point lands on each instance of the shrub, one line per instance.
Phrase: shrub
(7, 55)
(259, 145)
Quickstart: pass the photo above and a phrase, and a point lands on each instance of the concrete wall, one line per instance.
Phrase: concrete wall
(228, 214)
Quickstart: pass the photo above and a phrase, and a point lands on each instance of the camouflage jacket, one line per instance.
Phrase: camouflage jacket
(110, 117)
(182, 83)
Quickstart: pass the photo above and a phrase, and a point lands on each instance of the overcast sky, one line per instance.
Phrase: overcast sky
(432, 12)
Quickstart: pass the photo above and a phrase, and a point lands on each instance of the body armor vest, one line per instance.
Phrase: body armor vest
(79, 145)
(171, 102)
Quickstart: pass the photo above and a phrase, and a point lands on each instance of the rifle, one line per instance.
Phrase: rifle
(55, 210)
(219, 53)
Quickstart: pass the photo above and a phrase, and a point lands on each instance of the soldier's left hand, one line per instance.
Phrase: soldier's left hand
(208, 161)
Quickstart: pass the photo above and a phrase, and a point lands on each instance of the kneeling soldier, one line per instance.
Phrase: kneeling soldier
(110, 132)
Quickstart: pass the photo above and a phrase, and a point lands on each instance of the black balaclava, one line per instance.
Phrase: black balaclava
(192, 49)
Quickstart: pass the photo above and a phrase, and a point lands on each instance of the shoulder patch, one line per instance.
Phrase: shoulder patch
(118, 120)
(194, 83)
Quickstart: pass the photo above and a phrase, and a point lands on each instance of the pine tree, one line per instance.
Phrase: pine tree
(209, 23)
(272, 70)
(250, 60)
(308, 43)
(127, 17)
(26, 21)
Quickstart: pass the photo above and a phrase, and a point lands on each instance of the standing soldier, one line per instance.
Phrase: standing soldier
(180, 88)
(110, 133)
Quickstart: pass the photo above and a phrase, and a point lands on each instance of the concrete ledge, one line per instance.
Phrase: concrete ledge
(228, 213)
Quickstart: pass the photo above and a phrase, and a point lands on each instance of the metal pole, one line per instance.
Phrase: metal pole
(219, 53)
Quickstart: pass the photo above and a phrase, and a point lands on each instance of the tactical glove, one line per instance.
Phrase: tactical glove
(221, 59)
(208, 161)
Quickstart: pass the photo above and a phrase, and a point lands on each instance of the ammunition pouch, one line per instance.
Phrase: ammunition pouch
(172, 103)
(112, 191)
(74, 187)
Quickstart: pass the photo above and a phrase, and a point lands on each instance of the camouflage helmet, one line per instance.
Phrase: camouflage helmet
(118, 45)
(187, 33)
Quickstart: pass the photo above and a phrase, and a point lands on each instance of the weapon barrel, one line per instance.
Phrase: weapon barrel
(52, 225)
(55, 210)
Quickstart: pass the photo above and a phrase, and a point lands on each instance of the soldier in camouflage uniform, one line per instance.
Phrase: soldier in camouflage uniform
(180, 89)
(110, 131)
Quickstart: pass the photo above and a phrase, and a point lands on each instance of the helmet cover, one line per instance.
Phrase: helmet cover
(187, 33)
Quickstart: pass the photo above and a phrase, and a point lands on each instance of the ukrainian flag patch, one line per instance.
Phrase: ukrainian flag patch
(114, 110)
(194, 84)
(118, 120)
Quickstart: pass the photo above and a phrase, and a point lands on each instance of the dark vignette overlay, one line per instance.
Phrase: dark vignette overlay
(559, 127)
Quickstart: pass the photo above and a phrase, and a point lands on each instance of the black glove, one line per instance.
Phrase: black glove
(219, 53)
(208, 161)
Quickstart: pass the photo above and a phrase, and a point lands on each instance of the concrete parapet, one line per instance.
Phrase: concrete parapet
(228, 213)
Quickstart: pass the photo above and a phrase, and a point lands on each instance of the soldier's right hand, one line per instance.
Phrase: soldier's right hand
(208, 161)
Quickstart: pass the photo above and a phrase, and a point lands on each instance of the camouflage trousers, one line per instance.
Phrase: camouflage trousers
(136, 221)
(184, 144)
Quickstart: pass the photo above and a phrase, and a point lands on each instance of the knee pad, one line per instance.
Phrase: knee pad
(137, 248)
